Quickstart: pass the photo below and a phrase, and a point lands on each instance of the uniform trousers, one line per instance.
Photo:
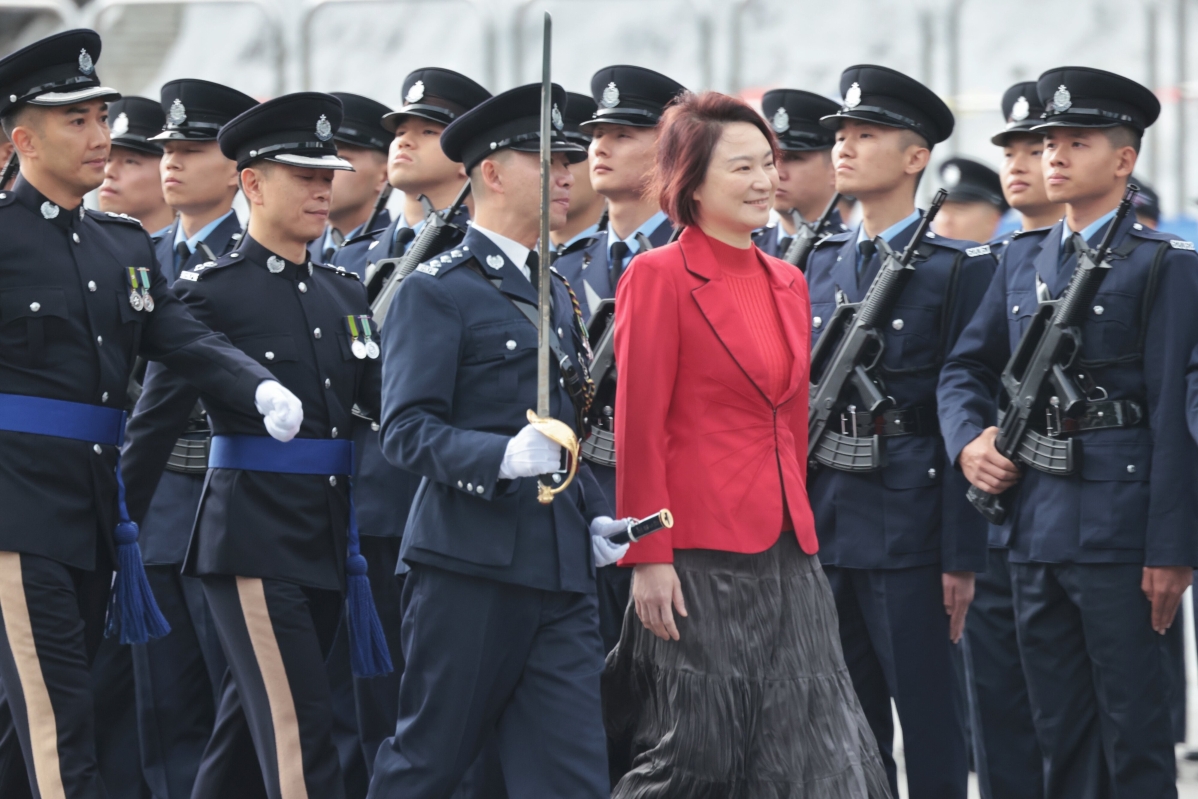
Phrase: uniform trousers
(178, 685)
(51, 625)
(491, 660)
(895, 637)
(116, 720)
(1098, 680)
(1006, 752)
(276, 637)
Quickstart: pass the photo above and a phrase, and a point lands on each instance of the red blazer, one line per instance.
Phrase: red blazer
(695, 430)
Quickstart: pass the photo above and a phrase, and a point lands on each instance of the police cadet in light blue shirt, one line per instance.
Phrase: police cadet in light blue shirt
(1099, 555)
(899, 543)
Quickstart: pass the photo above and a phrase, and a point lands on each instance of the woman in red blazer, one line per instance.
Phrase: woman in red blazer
(746, 687)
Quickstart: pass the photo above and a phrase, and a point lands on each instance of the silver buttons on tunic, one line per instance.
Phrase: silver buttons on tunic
(99, 340)
(374, 427)
(75, 237)
(932, 473)
(35, 306)
(479, 489)
(270, 356)
(91, 285)
(1131, 468)
(511, 345)
(96, 449)
(1014, 309)
(334, 432)
(316, 332)
(1098, 309)
(332, 480)
(897, 324)
(459, 483)
(303, 287)
(328, 383)
(817, 323)
(469, 486)
(104, 397)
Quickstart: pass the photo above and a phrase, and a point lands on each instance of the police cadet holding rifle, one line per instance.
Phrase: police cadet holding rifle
(806, 177)
(276, 521)
(1089, 471)
(81, 296)
(898, 540)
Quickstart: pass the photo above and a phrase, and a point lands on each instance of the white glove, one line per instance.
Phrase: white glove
(606, 553)
(528, 454)
(283, 411)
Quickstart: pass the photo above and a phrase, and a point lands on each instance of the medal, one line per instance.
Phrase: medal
(146, 300)
(356, 346)
(372, 349)
(135, 298)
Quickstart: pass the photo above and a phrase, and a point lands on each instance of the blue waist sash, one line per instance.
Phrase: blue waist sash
(62, 419)
(133, 615)
(297, 456)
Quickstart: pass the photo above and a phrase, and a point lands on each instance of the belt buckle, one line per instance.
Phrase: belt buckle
(1053, 426)
(848, 426)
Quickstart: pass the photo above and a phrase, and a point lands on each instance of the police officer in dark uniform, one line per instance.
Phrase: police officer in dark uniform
(975, 204)
(82, 298)
(806, 179)
(1147, 204)
(500, 625)
(587, 216)
(132, 182)
(433, 98)
(1006, 754)
(1099, 558)
(275, 521)
(900, 544)
(179, 679)
(198, 181)
(623, 133)
(363, 141)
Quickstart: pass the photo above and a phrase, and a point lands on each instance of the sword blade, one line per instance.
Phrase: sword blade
(543, 244)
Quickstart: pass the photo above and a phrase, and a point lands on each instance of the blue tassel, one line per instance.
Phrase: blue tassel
(368, 652)
(133, 613)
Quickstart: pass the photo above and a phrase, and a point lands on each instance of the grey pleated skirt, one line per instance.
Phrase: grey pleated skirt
(754, 701)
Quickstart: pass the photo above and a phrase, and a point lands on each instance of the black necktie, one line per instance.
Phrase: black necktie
(182, 253)
(784, 245)
(619, 251)
(403, 235)
(1067, 253)
(866, 248)
(534, 270)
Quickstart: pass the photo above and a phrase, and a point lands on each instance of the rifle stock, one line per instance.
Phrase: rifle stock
(1036, 379)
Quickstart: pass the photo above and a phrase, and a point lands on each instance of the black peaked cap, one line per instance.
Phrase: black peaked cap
(887, 97)
(196, 109)
(632, 96)
(438, 95)
(1084, 97)
(579, 108)
(1021, 108)
(57, 70)
(510, 120)
(362, 125)
(969, 181)
(794, 115)
(133, 120)
(295, 129)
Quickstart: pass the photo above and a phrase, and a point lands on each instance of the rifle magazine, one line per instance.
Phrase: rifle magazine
(1048, 455)
(600, 448)
(849, 453)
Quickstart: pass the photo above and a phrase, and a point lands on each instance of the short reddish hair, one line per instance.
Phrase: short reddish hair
(688, 133)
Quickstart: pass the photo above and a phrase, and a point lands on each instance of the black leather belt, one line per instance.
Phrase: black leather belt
(916, 421)
(1097, 416)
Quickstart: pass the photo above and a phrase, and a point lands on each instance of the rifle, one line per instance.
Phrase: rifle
(599, 447)
(10, 169)
(807, 235)
(379, 204)
(846, 356)
(1038, 377)
(433, 238)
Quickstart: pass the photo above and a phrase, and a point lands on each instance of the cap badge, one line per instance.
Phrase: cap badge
(177, 115)
(121, 126)
(324, 129)
(611, 96)
(86, 65)
(495, 261)
(852, 98)
(275, 264)
(415, 93)
(1020, 110)
(1062, 101)
(951, 175)
(49, 210)
(557, 117)
(781, 122)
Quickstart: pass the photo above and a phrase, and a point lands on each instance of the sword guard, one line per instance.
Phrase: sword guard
(560, 433)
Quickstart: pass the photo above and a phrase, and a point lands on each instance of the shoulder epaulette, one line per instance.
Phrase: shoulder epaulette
(199, 270)
(336, 270)
(834, 238)
(446, 261)
(109, 216)
(1145, 232)
(1018, 234)
(974, 252)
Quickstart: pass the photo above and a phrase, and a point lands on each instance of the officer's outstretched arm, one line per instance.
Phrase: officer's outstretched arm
(176, 334)
(421, 349)
(158, 419)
